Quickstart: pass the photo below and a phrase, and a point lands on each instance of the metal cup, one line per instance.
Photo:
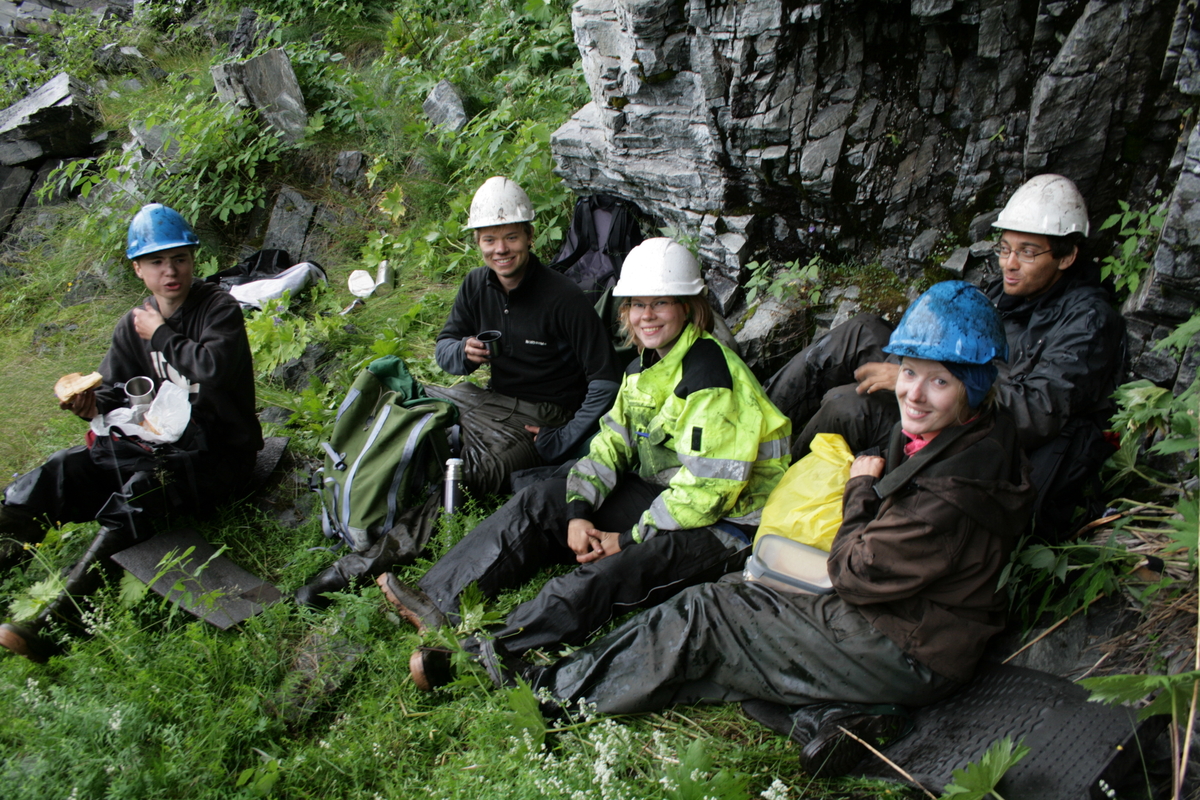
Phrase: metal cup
(139, 390)
(490, 340)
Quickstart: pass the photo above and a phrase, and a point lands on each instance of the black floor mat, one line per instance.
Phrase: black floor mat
(222, 593)
(1077, 748)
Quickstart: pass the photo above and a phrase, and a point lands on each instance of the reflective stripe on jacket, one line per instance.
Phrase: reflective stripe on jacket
(696, 423)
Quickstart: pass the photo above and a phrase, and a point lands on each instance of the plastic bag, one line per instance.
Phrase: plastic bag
(806, 506)
(168, 417)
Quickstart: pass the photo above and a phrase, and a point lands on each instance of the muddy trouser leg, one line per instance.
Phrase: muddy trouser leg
(863, 420)
(527, 533)
(494, 440)
(572, 607)
(830, 361)
(726, 642)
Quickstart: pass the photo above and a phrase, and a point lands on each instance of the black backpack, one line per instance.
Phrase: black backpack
(603, 231)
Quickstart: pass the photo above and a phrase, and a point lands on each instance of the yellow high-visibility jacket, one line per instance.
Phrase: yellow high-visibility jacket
(696, 423)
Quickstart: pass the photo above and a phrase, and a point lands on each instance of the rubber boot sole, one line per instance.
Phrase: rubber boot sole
(24, 642)
(411, 604)
(430, 668)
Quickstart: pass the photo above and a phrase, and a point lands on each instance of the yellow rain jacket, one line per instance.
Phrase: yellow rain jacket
(696, 423)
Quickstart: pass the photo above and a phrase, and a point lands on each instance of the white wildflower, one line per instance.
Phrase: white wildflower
(778, 790)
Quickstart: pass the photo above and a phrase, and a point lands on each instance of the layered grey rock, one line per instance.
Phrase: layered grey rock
(269, 84)
(57, 119)
(444, 107)
(866, 129)
(15, 183)
(290, 220)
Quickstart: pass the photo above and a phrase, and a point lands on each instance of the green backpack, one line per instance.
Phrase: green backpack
(385, 453)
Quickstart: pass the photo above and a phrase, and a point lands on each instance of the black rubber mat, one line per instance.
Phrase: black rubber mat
(214, 589)
(1078, 749)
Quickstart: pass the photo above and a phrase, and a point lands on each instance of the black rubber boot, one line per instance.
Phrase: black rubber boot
(826, 752)
(17, 529)
(331, 579)
(25, 638)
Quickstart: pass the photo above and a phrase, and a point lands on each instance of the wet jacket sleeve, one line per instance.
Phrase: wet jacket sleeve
(449, 351)
(1073, 369)
(716, 463)
(556, 444)
(210, 360)
(877, 559)
(595, 475)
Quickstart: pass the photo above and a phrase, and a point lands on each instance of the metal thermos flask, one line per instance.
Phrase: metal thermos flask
(453, 494)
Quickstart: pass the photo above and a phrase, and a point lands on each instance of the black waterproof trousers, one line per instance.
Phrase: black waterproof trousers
(733, 641)
(71, 487)
(530, 532)
(817, 390)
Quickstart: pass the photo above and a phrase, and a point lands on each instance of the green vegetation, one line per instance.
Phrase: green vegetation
(153, 703)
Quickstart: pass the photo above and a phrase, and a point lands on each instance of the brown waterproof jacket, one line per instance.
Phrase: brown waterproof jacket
(921, 549)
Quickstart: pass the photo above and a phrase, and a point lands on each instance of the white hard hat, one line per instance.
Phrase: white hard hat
(1047, 204)
(659, 267)
(499, 202)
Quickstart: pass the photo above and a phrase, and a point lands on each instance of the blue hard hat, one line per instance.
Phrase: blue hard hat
(156, 227)
(953, 322)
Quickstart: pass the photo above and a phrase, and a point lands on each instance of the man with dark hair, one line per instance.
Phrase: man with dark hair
(188, 333)
(1067, 353)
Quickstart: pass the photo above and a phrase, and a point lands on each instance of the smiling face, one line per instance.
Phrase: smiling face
(505, 250)
(656, 322)
(1030, 280)
(930, 397)
(168, 275)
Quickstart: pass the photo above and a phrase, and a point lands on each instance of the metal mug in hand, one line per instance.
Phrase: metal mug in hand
(139, 390)
(490, 340)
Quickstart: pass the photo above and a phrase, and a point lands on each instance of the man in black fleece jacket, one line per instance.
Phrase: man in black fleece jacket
(187, 333)
(553, 369)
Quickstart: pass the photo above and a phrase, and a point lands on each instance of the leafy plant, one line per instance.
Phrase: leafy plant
(692, 778)
(1137, 235)
(978, 780)
(1061, 578)
(1174, 694)
(790, 280)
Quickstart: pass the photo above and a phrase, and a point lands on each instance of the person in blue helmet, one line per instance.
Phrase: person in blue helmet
(926, 531)
(1066, 358)
(189, 333)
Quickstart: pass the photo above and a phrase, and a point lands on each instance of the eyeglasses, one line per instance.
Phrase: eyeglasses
(657, 305)
(1026, 255)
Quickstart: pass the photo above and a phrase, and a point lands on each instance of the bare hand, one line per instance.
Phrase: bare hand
(534, 429)
(82, 405)
(579, 536)
(146, 320)
(475, 351)
(876, 375)
(867, 465)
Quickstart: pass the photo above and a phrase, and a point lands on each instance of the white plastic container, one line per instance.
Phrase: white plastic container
(789, 566)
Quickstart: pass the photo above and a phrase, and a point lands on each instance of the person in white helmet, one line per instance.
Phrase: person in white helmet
(553, 372)
(1066, 357)
(669, 495)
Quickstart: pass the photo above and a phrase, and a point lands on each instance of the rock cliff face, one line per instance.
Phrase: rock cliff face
(875, 130)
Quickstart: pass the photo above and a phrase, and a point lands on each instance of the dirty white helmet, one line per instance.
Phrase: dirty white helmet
(499, 202)
(659, 267)
(1047, 204)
